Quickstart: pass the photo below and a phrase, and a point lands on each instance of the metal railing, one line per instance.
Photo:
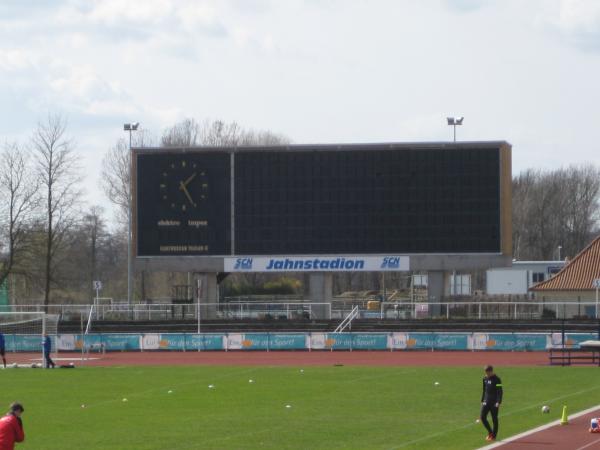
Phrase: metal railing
(519, 310)
(188, 311)
(530, 310)
(347, 322)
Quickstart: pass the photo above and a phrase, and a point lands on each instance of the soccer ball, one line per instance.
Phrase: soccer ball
(545, 409)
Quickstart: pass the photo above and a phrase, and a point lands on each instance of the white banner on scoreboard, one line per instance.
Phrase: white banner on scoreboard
(317, 263)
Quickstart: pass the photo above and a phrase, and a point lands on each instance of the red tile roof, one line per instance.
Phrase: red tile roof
(579, 274)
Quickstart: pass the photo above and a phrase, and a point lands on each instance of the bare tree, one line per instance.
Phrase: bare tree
(580, 206)
(18, 202)
(183, 134)
(95, 233)
(217, 133)
(116, 182)
(555, 208)
(57, 172)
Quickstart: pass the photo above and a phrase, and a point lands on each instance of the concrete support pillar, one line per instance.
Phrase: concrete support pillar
(208, 293)
(435, 291)
(321, 291)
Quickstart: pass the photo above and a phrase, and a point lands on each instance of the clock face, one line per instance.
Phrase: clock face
(183, 187)
(182, 203)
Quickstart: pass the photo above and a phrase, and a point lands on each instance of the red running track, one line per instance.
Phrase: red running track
(299, 358)
(574, 436)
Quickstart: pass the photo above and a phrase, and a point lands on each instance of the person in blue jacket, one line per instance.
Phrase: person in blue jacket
(2, 349)
(47, 345)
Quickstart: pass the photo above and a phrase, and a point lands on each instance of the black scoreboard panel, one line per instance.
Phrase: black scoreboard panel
(182, 203)
(368, 201)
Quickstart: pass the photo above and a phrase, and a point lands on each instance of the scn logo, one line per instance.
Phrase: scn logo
(390, 262)
(243, 264)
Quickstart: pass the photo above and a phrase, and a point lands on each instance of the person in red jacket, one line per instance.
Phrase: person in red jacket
(11, 427)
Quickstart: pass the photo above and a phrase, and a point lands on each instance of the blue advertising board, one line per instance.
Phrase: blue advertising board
(369, 341)
(298, 341)
(517, 341)
(438, 341)
(121, 341)
(204, 341)
(287, 341)
(24, 343)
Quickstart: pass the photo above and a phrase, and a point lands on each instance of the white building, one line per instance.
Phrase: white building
(517, 279)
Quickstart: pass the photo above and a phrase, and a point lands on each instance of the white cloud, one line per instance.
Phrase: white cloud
(576, 20)
(316, 70)
(82, 82)
(579, 16)
(195, 14)
(466, 5)
(141, 20)
(113, 12)
(14, 59)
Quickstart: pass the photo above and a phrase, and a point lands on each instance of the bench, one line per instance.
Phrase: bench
(571, 356)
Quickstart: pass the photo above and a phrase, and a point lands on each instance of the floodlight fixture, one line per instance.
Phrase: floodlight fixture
(453, 122)
(131, 126)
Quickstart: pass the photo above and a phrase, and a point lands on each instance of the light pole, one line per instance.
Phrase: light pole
(454, 121)
(129, 127)
(559, 249)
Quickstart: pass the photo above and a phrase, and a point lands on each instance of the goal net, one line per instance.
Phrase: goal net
(23, 333)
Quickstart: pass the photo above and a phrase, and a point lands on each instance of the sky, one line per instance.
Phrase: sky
(317, 71)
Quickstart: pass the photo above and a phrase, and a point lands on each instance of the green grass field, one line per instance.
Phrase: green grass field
(331, 407)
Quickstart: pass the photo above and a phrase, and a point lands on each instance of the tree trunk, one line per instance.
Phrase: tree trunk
(48, 251)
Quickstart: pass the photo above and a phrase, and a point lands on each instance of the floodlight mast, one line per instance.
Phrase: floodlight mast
(454, 121)
(133, 126)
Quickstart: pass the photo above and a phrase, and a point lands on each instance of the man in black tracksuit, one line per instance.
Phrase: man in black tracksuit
(491, 398)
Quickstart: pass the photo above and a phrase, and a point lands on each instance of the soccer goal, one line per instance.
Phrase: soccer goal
(23, 333)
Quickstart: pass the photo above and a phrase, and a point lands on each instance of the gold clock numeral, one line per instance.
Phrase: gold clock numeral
(183, 163)
(183, 208)
(162, 185)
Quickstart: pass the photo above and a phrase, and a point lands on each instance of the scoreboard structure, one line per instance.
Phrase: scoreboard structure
(440, 206)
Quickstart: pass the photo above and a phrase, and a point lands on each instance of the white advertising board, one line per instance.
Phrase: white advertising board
(317, 263)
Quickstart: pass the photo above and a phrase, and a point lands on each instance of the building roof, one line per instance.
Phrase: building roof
(578, 275)
(331, 147)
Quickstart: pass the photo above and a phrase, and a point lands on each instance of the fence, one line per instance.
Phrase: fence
(303, 341)
(171, 311)
(488, 310)
(522, 310)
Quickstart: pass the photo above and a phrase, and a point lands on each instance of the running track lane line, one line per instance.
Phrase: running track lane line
(589, 445)
(510, 413)
(541, 428)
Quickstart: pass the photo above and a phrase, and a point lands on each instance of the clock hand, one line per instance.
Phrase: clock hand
(185, 191)
(186, 182)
